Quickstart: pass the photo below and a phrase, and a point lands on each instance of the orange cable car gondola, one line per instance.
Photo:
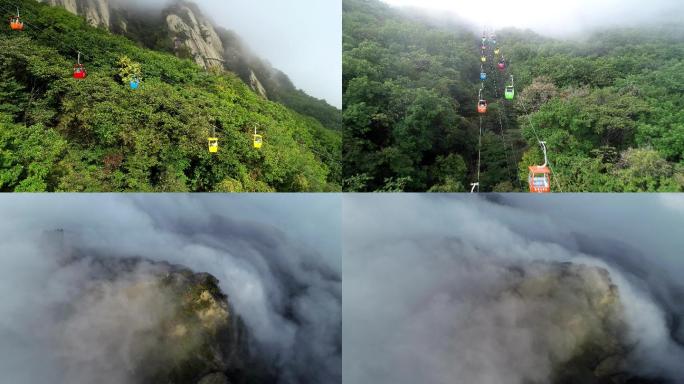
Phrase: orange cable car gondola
(481, 104)
(540, 175)
(79, 69)
(15, 22)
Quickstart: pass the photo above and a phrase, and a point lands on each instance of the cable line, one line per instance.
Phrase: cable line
(543, 145)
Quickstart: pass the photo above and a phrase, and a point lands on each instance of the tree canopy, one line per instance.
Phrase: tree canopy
(610, 106)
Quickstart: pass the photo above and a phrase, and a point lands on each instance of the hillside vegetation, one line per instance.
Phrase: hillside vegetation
(610, 107)
(62, 134)
(149, 28)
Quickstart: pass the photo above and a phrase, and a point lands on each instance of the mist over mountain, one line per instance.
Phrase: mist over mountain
(175, 289)
(565, 20)
(505, 289)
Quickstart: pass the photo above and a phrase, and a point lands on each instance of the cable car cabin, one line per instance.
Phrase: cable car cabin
(502, 65)
(483, 59)
(16, 24)
(483, 47)
(497, 51)
(258, 141)
(135, 84)
(213, 145)
(509, 93)
(482, 106)
(540, 179)
(483, 76)
(80, 71)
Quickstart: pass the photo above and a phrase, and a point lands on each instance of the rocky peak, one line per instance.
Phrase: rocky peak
(190, 33)
(142, 321)
(191, 30)
(188, 28)
(97, 12)
(583, 327)
(176, 325)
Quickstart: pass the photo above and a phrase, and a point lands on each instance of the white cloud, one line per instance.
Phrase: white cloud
(423, 276)
(553, 18)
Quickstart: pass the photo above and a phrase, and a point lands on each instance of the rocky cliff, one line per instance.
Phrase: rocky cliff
(185, 25)
(132, 320)
(97, 12)
(580, 321)
(191, 30)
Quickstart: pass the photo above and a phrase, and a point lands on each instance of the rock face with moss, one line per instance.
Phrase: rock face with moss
(97, 12)
(582, 328)
(142, 322)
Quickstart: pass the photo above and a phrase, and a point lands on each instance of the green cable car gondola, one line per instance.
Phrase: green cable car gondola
(509, 92)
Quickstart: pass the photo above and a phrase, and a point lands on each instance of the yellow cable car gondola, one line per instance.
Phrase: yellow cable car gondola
(258, 140)
(213, 142)
(213, 145)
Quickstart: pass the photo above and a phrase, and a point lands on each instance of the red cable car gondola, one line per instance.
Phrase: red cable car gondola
(502, 65)
(79, 69)
(540, 175)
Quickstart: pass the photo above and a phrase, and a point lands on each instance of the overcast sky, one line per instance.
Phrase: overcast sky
(555, 18)
(302, 38)
(422, 277)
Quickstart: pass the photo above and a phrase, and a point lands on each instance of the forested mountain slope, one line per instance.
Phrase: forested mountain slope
(610, 106)
(181, 27)
(96, 134)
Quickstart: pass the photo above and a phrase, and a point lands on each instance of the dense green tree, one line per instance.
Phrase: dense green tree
(609, 106)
